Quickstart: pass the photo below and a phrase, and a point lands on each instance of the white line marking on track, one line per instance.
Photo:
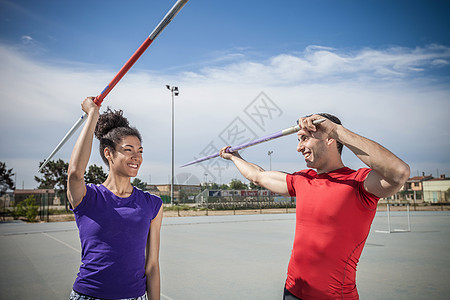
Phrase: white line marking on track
(64, 243)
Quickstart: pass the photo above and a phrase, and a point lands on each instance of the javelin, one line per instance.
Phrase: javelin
(263, 139)
(127, 66)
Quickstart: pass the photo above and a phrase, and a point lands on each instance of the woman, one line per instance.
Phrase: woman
(119, 225)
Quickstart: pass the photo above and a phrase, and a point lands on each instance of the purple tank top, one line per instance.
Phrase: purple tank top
(113, 234)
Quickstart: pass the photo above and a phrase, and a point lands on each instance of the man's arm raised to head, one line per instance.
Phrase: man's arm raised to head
(389, 173)
(274, 181)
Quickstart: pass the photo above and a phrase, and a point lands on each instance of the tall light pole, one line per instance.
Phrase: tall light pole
(174, 92)
(270, 158)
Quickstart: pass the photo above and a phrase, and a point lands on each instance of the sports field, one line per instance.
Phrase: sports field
(234, 257)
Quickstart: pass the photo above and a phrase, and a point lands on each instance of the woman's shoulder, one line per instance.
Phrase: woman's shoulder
(93, 186)
(151, 201)
(92, 193)
(147, 195)
(92, 189)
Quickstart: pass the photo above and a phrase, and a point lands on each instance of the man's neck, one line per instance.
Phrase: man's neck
(330, 166)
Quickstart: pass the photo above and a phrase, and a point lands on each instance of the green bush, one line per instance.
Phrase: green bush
(27, 209)
(178, 207)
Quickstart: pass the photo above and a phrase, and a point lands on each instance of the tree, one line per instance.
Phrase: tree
(254, 186)
(27, 208)
(54, 177)
(6, 182)
(214, 186)
(236, 184)
(95, 175)
(139, 183)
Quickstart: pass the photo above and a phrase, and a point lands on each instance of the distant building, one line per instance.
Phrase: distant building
(436, 190)
(416, 183)
(182, 193)
(5, 200)
(39, 195)
(412, 190)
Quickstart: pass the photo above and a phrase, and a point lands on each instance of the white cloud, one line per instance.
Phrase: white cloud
(317, 63)
(26, 38)
(389, 95)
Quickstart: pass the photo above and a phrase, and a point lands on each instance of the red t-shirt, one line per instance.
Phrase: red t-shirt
(333, 218)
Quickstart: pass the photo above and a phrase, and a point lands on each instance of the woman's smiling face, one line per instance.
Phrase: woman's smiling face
(127, 157)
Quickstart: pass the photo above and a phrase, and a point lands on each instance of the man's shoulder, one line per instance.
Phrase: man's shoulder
(346, 172)
(304, 173)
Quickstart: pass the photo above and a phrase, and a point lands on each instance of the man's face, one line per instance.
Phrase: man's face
(313, 148)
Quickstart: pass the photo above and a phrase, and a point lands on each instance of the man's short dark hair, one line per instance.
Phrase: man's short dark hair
(336, 120)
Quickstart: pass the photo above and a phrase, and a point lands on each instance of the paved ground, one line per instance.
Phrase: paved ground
(234, 257)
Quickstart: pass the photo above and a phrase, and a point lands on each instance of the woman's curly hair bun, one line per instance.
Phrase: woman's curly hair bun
(108, 121)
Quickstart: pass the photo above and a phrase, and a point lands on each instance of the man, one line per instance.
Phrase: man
(335, 205)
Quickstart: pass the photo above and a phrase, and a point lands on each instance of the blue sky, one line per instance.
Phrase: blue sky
(382, 66)
(106, 32)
